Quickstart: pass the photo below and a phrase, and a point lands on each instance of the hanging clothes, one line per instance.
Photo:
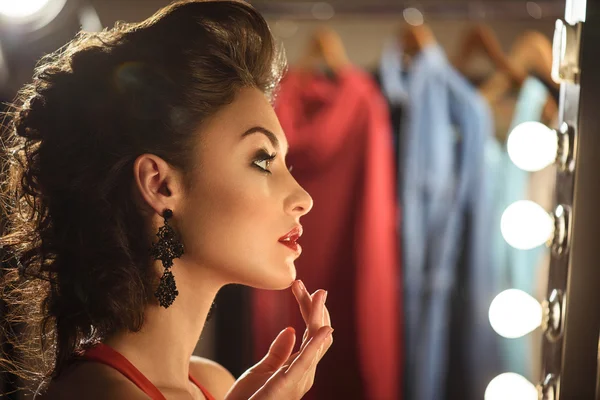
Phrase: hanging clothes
(341, 153)
(396, 112)
(394, 92)
(514, 268)
(445, 128)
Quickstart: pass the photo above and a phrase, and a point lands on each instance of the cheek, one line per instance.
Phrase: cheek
(223, 213)
(233, 226)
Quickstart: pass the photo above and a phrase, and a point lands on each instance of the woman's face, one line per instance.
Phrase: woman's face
(241, 202)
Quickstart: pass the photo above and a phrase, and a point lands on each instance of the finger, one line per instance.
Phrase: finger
(279, 351)
(308, 357)
(329, 340)
(326, 322)
(291, 359)
(308, 332)
(310, 376)
(316, 316)
(304, 299)
(299, 374)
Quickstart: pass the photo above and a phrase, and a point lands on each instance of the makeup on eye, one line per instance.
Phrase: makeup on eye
(263, 157)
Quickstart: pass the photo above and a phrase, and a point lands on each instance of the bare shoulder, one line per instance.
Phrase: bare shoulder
(92, 381)
(212, 375)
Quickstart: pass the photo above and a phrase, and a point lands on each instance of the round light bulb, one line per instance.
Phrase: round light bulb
(532, 146)
(21, 8)
(413, 16)
(510, 386)
(285, 29)
(534, 10)
(526, 225)
(323, 11)
(514, 313)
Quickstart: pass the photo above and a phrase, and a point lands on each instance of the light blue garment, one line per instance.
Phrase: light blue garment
(515, 269)
(443, 181)
(390, 68)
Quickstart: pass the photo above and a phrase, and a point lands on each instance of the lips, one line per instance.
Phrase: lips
(291, 238)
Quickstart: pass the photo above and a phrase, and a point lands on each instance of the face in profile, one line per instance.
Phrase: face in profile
(241, 214)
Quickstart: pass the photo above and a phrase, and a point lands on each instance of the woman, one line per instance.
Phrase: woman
(147, 171)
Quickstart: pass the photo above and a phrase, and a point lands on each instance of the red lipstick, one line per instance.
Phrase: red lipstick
(290, 239)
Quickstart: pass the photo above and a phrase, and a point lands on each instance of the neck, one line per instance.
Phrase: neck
(161, 350)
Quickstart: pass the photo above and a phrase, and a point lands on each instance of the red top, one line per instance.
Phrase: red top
(105, 354)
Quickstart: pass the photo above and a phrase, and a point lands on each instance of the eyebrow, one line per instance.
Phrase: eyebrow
(270, 135)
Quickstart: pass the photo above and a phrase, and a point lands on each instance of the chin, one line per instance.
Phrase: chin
(284, 280)
(280, 280)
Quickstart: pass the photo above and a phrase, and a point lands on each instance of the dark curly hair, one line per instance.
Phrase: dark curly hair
(77, 265)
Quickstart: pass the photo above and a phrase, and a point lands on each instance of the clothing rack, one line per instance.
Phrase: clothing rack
(473, 10)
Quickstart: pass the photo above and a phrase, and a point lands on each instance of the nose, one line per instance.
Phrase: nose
(299, 202)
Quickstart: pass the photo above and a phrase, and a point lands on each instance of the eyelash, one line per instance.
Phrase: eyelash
(264, 156)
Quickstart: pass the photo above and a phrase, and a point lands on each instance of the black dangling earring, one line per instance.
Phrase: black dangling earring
(166, 249)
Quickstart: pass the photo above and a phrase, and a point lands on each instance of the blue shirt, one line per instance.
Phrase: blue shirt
(445, 129)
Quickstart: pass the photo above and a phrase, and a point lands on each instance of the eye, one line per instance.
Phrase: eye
(264, 160)
(263, 164)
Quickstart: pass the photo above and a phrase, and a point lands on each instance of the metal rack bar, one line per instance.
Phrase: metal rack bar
(476, 10)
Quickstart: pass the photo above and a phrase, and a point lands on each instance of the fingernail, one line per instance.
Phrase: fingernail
(330, 331)
(325, 297)
(302, 286)
(286, 329)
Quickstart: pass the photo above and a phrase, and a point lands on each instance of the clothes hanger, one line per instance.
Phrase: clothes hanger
(534, 50)
(531, 53)
(482, 39)
(325, 53)
(415, 38)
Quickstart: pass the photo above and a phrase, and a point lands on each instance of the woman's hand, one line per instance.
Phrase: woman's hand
(281, 374)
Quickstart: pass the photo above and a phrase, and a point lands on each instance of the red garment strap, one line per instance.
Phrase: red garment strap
(105, 354)
(204, 391)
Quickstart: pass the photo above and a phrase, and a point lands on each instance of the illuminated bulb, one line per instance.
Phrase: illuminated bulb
(534, 9)
(510, 386)
(526, 225)
(532, 146)
(285, 29)
(323, 11)
(413, 16)
(21, 8)
(514, 313)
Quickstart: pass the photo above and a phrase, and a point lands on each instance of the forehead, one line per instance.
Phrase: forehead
(250, 108)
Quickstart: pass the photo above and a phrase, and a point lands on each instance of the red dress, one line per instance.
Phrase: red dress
(105, 354)
(341, 152)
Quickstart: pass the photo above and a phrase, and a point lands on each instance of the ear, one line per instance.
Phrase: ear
(158, 183)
